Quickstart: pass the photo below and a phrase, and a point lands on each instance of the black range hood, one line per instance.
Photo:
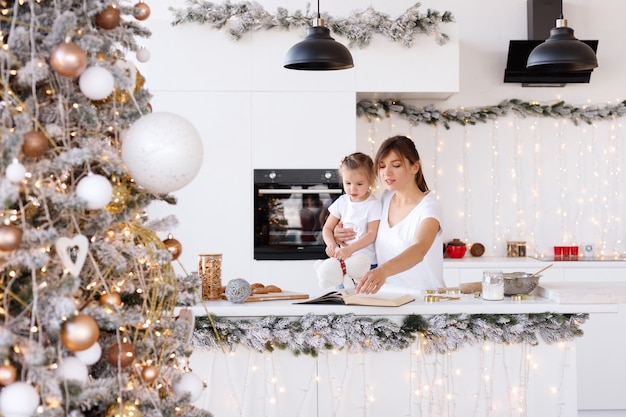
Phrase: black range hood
(516, 71)
(542, 15)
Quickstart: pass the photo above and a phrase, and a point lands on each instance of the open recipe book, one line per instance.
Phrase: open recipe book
(349, 297)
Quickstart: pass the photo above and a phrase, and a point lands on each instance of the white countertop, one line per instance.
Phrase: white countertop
(467, 304)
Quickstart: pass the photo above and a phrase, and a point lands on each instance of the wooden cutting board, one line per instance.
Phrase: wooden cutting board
(273, 296)
(466, 288)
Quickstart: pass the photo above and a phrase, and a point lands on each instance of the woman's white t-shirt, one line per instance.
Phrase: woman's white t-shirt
(356, 215)
(391, 241)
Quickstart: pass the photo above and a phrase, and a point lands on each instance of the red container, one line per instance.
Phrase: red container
(454, 251)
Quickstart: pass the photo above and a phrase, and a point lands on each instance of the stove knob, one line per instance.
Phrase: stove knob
(328, 175)
(272, 175)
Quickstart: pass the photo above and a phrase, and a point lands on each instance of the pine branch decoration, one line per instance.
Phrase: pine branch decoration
(443, 333)
(377, 109)
(358, 28)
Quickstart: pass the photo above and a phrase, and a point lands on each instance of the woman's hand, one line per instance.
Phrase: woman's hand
(371, 282)
(343, 234)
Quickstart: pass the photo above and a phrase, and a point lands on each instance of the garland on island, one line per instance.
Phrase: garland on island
(358, 28)
(443, 332)
(373, 109)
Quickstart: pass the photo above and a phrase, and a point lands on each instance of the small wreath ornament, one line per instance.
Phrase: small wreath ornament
(238, 290)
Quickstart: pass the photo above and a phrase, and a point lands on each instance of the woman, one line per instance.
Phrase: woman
(409, 245)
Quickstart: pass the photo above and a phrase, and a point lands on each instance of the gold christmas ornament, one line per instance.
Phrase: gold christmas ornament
(8, 374)
(35, 144)
(122, 96)
(142, 11)
(109, 18)
(122, 354)
(123, 410)
(10, 237)
(80, 332)
(119, 198)
(173, 246)
(68, 60)
(110, 298)
(149, 373)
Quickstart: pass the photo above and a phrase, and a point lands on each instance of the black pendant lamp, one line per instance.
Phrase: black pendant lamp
(562, 51)
(318, 51)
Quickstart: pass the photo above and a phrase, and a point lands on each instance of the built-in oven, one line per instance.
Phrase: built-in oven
(290, 207)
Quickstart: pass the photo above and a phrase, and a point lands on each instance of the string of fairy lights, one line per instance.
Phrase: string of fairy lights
(543, 181)
(494, 379)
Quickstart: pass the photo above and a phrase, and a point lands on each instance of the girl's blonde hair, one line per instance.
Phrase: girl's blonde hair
(359, 160)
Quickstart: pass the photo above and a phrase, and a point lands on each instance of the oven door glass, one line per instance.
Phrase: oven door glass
(289, 220)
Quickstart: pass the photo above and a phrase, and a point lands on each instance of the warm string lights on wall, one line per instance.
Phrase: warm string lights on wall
(467, 189)
(518, 174)
(437, 144)
(563, 209)
(534, 192)
(546, 182)
(497, 239)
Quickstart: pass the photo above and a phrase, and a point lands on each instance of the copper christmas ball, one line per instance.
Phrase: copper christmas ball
(121, 354)
(68, 60)
(123, 410)
(8, 374)
(149, 373)
(142, 11)
(109, 18)
(35, 144)
(174, 247)
(10, 237)
(110, 298)
(80, 332)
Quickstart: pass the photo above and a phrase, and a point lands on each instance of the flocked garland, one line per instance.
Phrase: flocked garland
(443, 332)
(373, 109)
(358, 28)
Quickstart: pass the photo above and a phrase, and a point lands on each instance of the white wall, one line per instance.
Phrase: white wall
(252, 113)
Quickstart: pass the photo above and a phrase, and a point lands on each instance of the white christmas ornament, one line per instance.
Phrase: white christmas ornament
(18, 399)
(143, 55)
(96, 83)
(71, 368)
(96, 190)
(162, 152)
(15, 172)
(191, 383)
(78, 246)
(90, 355)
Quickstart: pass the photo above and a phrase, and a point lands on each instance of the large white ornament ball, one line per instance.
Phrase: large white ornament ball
(162, 152)
(96, 190)
(15, 172)
(191, 383)
(18, 400)
(71, 368)
(90, 355)
(96, 83)
(143, 55)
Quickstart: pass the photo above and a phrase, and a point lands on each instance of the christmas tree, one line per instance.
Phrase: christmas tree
(88, 325)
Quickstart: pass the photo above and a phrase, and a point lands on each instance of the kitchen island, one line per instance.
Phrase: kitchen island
(277, 358)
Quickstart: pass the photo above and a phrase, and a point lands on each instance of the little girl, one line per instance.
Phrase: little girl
(357, 209)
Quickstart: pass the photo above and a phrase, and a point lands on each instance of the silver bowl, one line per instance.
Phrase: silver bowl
(520, 283)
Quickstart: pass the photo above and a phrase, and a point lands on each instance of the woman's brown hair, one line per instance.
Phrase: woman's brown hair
(404, 147)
